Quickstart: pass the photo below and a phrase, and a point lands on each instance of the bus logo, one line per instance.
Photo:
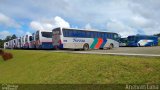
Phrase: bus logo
(78, 40)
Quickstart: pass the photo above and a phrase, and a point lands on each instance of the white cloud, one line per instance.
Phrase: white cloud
(28, 33)
(3, 34)
(119, 27)
(59, 22)
(49, 24)
(19, 32)
(88, 26)
(36, 25)
(7, 21)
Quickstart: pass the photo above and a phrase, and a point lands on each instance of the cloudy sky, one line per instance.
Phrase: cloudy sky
(126, 17)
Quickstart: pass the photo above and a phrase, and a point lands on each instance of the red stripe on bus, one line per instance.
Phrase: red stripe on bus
(100, 41)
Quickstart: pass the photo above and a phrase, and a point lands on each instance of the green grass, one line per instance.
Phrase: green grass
(158, 42)
(39, 67)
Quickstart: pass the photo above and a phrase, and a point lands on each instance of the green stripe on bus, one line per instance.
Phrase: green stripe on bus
(94, 43)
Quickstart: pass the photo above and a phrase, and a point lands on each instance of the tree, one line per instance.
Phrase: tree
(157, 34)
(8, 38)
(1, 43)
(13, 36)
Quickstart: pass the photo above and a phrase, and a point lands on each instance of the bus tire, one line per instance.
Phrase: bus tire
(85, 47)
(111, 46)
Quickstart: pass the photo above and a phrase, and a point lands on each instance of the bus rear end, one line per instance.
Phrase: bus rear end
(56, 39)
(44, 40)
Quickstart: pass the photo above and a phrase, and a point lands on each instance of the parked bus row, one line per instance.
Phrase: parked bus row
(65, 38)
(70, 38)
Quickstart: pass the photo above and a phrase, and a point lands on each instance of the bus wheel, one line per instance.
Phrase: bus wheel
(111, 46)
(139, 45)
(86, 47)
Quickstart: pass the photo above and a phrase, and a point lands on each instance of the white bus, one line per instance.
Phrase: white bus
(22, 42)
(28, 39)
(11, 44)
(43, 39)
(6, 45)
(68, 38)
(14, 43)
(33, 42)
(17, 43)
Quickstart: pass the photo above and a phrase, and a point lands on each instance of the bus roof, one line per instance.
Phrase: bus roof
(142, 36)
(85, 30)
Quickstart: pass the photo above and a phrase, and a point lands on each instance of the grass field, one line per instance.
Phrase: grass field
(39, 67)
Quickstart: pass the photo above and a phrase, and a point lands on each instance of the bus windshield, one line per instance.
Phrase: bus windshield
(131, 38)
(123, 40)
(47, 34)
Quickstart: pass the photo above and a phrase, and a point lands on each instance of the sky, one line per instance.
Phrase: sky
(125, 17)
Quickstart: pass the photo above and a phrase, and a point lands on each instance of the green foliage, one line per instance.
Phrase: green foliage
(157, 35)
(8, 38)
(47, 67)
(1, 43)
(13, 36)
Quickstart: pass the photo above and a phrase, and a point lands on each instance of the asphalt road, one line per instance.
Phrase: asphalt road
(124, 51)
(131, 50)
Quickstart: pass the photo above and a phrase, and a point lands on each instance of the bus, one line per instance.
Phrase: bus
(142, 40)
(14, 43)
(22, 41)
(33, 42)
(28, 39)
(69, 38)
(43, 39)
(17, 43)
(11, 44)
(6, 45)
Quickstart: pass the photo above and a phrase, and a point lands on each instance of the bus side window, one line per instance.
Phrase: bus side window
(105, 35)
(75, 33)
(69, 33)
(83, 34)
(88, 34)
(92, 34)
(98, 34)
(78, 33)
(72, 33)
(108, 35)
(111, 36)
(102, 35)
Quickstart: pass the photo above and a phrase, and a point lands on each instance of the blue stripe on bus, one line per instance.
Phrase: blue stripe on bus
(104, 42)
(46, 45)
